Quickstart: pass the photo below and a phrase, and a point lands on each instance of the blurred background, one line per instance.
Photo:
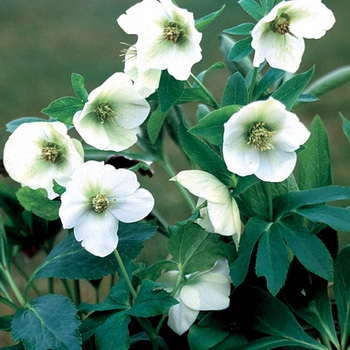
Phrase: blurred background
(43, 42)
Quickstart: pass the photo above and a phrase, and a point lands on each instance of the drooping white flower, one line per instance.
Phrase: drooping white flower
(201, 291)
(96, 199)
(261, 139)
(112, 115)
(278, 37)
(38, 153)
(222, 208)
(167, 37)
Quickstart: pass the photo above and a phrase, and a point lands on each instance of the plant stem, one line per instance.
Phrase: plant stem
(252, 84)
(8, 303)
(11, 282)
(206, 91)
(25, 276)
(267, 187)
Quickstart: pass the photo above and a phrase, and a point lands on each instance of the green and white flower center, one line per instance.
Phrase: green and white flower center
(259, 136)
(173, 33)
(280, 24)
(104, 112)
(99, 203)
(51, 152)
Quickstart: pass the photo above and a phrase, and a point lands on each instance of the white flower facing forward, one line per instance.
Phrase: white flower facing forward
(38, 153)
(200, 291)
(96, 199)
(222, 208)
(278, 37)
(167, 37)
(261, 139)
(112, 115)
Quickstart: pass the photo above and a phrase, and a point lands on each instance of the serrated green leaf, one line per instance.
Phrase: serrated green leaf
(155, 123)
(203, 22)
(194, 248)
(169, 91)
(272, 252)
(252, 8)
(47, 322)
(308, 248)
(253, 230)
(241, 29)
(240, 50)
(261, 311)
(151, 300)
(37, 202)
(255, 198)
(244, 183)
(58, 188)
(211, 127)
(314, 162)
(154, 271)
(195, 95)
(345, 126)
(79, 87)
(236, 92)
(63, 109)
(14, 124)
(342, 292)
(289, 92)
(270, 77)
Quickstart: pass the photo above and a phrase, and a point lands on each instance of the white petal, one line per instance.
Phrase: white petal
(203, 184)
(168, 279)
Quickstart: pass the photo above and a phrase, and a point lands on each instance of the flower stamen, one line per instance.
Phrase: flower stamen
(99, 203)
(51, 153)
(131, 51)
(104, 112)
(259, 136)
(173, 33)
(280, 25)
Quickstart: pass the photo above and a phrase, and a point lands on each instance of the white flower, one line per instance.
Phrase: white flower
(222, 208)
(96, 199)
(167, 37)
(278, 37)
(38, 153)
(261, 139)
(112, 115)
(201, 291)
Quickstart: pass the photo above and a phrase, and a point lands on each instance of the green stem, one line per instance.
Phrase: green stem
(252, 84)
(77, 292)
(11, 282)
(25, 276)
(325, 341)
(267, 187)
(8, 303)
(206, 91)
(66, 287)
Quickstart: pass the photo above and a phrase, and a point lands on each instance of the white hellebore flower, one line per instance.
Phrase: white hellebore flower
(278, 37)
(222, 208)
(112, 115)
(167, 37)
(96, 199)
(200, 291)
(261, 139)
(38, 153)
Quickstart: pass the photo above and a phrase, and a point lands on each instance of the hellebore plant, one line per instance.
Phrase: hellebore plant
(254, 262)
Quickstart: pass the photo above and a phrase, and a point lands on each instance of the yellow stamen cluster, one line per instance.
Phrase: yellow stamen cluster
(173, 33)
(259, 136)
(104, 112)
(51, 152)
(99, 203)
(280, 25)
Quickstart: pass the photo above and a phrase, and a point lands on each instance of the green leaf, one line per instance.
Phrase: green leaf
(79, 87)
(266, 5)
(241, 29)
(151, 300)
(254, 228)
(270, 77)
(314, 162)
(169, 91)
(203, 155)
(114, 331)
(203, 22)
(155, 123)
(244, 183)
(47, 322)
(195, 95)
(14, 124)
(261, 311)
(337, 218)
(64, 108)
(308, 248)
(58, 188)
(289, 92)
(203, 338)
(155, 270)
(252, 8)
(5, 323)
(236, 92)
(345, 126)
(201, 76)
(194, 248)
(256, 201)
(272, 252)
(240, 50)
(342, 292)
(37, 202)
(211, 127)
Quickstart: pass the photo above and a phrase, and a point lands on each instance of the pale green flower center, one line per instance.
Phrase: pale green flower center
(259, 136)
(173, 33)
(99, 203)
(51, 152)
(104, 112)
(280, 24)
